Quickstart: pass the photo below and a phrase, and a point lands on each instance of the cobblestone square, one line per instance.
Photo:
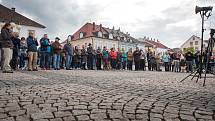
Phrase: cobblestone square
(79, 95)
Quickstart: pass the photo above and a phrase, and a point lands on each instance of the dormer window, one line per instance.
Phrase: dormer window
(81, 35)
(110, 36)
(99, 34)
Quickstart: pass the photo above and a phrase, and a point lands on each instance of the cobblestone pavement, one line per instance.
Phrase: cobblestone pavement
(104, 96)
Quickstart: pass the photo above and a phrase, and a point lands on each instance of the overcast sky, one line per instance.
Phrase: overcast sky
(170, 21)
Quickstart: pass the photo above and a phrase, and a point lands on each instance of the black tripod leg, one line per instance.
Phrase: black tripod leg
(197, 78)
(194, 75)
(187, 76)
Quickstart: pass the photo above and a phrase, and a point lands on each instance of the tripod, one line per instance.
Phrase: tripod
(205, 59)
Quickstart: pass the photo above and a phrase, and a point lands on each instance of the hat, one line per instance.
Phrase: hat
(57, 38)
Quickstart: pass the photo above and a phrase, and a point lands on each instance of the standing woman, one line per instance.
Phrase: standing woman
(124, 59)
(130, 59)
(7, 47)
(142, 60)
(77, 57)
(16, 46)
(113, 57)
(105, 56)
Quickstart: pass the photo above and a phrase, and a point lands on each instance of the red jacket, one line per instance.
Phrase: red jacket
(113, 54)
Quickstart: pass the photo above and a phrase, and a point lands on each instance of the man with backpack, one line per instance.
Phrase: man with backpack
(45, 51)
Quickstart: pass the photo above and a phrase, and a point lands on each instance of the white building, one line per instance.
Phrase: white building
(193, 42)
(20, 23)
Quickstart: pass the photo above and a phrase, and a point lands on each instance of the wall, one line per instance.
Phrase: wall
(160, 50)
(127, 46)
(24, 30)
(80, 42)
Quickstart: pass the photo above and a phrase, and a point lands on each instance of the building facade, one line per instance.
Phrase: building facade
(20, 23)
(193, 42)
(154, 46)
(100, 36)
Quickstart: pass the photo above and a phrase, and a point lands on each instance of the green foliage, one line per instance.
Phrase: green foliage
(190, 49)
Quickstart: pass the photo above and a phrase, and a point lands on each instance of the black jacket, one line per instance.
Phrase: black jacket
(136, 55)
(6, 41)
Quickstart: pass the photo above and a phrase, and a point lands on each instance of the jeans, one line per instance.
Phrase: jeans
(166, 64)
(137, 65)
(56, 63)
(68, 61)
(22, 60)
(130, 64)
(45, 60)
(113, 63)
(7, 56)
(189, 66)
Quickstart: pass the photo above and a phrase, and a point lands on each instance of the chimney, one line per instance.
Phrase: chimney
(100, 27)
(113, 28)
(93, 25)
(13, 9)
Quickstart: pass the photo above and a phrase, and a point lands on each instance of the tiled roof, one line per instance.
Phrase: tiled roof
(90, 28)
(8, 15)
(157, 44)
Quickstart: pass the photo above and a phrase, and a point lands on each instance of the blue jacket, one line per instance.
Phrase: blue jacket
(166, 58)
(32, 44)
(45, 46)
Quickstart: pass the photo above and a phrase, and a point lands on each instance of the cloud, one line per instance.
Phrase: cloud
(61, 17)
(170, 21)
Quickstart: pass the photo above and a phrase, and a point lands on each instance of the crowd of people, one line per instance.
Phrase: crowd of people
(32, 54)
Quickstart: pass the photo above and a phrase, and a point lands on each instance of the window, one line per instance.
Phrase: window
(110, 36)
(197, 48)
(191, 44)
(114, 45)
(81, 35)
(196, 42)
(31, 31)
(193, 38)
(99, 34)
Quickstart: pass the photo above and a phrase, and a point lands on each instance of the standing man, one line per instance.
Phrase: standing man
(56, 53)
(83, 57)
(68, 49)
(7, 47)
(189, 61)
(45, 51)
(130, 59)
(32, 52)
(90, 57)
(136, 55)
(99, 59)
